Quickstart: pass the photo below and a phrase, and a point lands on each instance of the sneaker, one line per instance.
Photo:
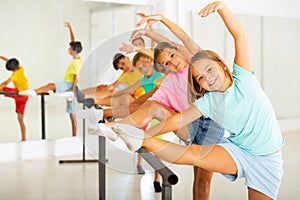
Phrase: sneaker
(79, 94)
(140, 169)
(30, 93)
(132, 136)
(157, 187)
(94, 116)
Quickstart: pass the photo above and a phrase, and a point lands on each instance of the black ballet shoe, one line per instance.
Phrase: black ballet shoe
(140, 169)
(79, 94)
(97, 107)
(89, 102)
(157, 187)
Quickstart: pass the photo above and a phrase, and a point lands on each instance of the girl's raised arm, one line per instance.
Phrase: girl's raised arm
(242, 54)
(179, 32)
(156, 37)
(175, 122)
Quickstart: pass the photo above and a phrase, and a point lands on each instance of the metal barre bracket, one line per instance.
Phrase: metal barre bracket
(168, 177)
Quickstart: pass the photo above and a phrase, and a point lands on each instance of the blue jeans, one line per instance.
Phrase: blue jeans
(205, 131)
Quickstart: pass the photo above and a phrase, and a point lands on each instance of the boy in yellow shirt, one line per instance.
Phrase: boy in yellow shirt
(20, 82)
(69, 82)
(101, 94)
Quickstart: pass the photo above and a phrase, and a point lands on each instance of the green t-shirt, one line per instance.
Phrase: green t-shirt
(246, 112)
(148, 83)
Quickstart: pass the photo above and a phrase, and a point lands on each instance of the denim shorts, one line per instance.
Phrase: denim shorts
(205, 131)
(65, 86)
(261, 172)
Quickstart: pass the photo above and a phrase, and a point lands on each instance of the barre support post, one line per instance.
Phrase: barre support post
(168, 177)
(101, 168)
(83, 160)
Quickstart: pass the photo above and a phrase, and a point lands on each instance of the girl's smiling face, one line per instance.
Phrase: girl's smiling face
(210, 75)
(170, 59)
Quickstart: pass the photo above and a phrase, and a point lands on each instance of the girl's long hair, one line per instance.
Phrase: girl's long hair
(195, 91)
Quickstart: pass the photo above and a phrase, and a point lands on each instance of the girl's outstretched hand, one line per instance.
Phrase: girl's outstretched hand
(137, 34)
(149, 20)
(128, 48)
(211, 8)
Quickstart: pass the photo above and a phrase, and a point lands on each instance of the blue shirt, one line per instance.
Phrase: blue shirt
(246, 112)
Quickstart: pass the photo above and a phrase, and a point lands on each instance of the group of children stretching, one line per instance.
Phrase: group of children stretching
(200, 98)
(197, 98)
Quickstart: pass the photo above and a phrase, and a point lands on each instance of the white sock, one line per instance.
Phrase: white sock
(67, 95)
(132, 136)
(29, 92)
(103, 130)
(94, 129)
(94, 116)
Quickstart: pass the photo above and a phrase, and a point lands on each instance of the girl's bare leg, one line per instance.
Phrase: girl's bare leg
(210, 157)
(202, 182)
(121, 111)
(256, 195)
(115, 101)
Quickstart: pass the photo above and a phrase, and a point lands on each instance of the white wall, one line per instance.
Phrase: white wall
(34, 32)
(277, 8)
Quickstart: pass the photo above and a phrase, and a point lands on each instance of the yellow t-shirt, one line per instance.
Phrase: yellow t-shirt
(130, 78)
(73, 69)
(19, 79)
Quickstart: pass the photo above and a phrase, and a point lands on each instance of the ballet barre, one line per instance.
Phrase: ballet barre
(168, 177)
(42, 109)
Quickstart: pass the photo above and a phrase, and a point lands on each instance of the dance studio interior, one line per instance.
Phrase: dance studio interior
(53, 164)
